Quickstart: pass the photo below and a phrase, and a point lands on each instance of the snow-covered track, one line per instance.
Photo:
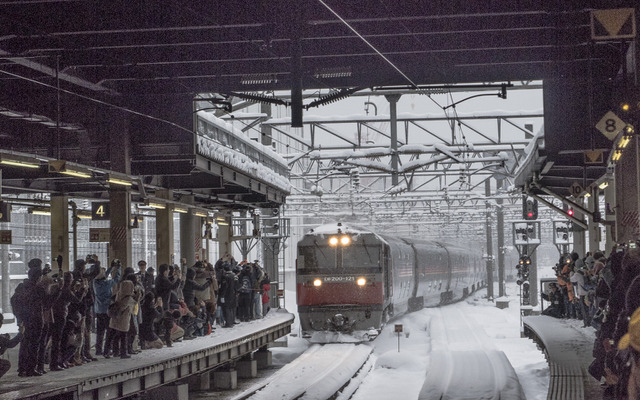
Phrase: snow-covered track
(320, 373)
(464, 364)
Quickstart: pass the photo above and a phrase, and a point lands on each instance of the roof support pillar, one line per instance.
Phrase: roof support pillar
(393, 116)
(60, 229)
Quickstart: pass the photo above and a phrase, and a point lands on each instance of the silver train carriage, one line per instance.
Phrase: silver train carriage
(351, 281)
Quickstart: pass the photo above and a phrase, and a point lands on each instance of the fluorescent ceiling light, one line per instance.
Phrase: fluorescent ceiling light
(200, 214)
(180, 210)
(158, 206)
(19, 163)
(603, 185)
(40, 211)
(118, 181)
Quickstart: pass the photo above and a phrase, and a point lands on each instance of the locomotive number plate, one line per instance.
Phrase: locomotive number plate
(339, 278)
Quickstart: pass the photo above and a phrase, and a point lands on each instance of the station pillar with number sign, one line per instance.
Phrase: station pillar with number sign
(120, 233)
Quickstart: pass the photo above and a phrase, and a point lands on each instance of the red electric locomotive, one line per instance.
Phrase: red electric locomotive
(350, 281)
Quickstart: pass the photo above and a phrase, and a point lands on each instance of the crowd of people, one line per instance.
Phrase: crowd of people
(129, 310)
(604, 292)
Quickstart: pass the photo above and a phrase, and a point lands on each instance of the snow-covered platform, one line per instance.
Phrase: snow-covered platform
(568, 349)
(115, 377)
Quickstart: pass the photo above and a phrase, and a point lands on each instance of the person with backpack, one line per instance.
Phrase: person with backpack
(228, 300)
(245, 293)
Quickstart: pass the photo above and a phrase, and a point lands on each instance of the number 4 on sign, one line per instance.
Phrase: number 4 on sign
(610, 125)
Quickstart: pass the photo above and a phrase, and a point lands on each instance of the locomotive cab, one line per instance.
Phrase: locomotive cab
(339, 283)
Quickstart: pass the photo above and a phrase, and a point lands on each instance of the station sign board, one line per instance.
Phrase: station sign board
(99, 234)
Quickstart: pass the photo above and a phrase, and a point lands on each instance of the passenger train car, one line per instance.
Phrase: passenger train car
(351, 281)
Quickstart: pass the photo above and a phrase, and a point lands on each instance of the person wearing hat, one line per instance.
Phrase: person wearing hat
(555, 298)
(631, 341)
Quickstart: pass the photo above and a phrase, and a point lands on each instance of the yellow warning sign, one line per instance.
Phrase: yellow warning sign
(593, 157)
(617, 23)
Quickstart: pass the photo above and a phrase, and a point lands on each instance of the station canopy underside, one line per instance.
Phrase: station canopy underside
(80, 78)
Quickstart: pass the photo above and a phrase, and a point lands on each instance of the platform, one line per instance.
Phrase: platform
(115, 378)
(567, 347)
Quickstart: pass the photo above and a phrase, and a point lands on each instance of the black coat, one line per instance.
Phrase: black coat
(164, 287)
(228, 289)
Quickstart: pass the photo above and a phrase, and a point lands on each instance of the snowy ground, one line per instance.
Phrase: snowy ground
(400, 374)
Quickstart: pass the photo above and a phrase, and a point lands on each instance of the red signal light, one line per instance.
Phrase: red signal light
(570, 212)
(530, 214)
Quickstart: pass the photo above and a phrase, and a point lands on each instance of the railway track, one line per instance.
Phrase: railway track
(464, 365)
(321, 372)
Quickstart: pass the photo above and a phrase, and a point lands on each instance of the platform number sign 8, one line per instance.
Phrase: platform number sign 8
(610, 125)
(100, 211)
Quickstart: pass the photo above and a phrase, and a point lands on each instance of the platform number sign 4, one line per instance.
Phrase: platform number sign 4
(100, 211)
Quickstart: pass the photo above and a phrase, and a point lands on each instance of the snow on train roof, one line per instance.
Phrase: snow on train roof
(332, 229)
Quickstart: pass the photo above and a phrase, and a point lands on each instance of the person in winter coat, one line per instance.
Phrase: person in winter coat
(579, 282)
(266, 287)
(630, 342)
(151, 311)
(121, 318)
(148, 280)
(60, 310)
(228, 289)
(556, 309)
(6, 342)
(164, 285)
(191, 287)
(245, 293)
(32, 320)
(103, 291)
(50, 287)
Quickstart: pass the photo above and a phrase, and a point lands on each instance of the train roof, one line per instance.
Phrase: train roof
(332, 229)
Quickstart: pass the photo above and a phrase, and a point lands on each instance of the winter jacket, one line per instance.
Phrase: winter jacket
(125, 301)
(149, 314)
(103, 291)
(191, 287)
(60, 306)
(265, 292)
(164, 287)
(228, 288)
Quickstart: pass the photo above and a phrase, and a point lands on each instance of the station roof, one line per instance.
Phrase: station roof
(80, 64)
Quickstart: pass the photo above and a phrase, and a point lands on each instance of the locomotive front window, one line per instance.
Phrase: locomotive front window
(326, 257)
(359, 256)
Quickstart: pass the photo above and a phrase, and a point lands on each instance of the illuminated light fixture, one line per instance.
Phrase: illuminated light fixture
(317, 283)
(62, 167)
(118, 181)
(345, 240)
(40, 211)
(19, 162)
(603, 185)
(587, 194)
(625, 106)
(158, 206)
(200, 214)
(624, 142)
(180, 210)
(616, 155)
(83, 215)
(333, 241)
(361, 281)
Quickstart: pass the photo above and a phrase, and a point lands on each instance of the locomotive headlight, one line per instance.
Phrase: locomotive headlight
(361, 281)
(317, 283)
(345, 240)
(333, 241)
